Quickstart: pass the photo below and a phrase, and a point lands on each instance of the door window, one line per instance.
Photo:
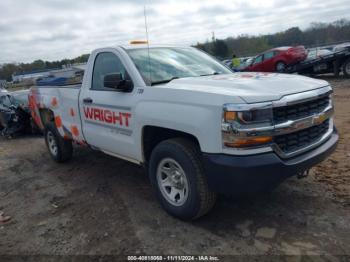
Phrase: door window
(106, 63)
(269, 55)
(258, 60)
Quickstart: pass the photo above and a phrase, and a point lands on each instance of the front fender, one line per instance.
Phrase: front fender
(202, 122)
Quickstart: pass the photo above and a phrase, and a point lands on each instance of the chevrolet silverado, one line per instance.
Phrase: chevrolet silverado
(196, 127)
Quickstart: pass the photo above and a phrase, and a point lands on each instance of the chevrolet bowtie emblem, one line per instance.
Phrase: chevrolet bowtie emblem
(319, 119)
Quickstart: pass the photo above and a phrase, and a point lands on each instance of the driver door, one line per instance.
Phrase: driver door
(269, 65)
(257, 65)
(107, 113)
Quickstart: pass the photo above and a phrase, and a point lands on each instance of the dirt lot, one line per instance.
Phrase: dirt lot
(97, 204)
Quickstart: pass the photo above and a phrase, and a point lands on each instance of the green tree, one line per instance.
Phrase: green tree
(219, 48)
(7, 70)
(244, 45)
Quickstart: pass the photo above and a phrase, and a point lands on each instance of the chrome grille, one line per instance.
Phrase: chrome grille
(300, 110)
(294, 141)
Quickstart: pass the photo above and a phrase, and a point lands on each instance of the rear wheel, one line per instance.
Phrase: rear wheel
(280, 66)
(61, 150)
(178, 178)
(346, 68)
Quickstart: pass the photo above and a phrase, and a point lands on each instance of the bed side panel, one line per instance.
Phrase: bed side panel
(63, 102)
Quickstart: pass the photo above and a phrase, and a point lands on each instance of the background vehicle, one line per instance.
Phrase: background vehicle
(227, 62)
(277, 59)
(317, 53)
(15, 115)
(334, 62)
(244, 62)
(341, 47)
(198, 128)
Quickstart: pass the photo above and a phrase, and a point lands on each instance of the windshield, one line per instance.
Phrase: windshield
(21, 98)
(167, 63)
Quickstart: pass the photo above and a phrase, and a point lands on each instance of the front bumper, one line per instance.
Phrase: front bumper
(245, 174)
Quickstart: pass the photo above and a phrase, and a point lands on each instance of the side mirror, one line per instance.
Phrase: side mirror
(117, 81)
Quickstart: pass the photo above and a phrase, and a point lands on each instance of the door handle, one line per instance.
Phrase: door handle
(87, 100)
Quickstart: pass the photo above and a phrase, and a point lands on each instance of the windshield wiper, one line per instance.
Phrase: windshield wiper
(164, 81)
(214, 73)
(176, 77)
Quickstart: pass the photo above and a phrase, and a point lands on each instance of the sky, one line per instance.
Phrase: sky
(57, 29)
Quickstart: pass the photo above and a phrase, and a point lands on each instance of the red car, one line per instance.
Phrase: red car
(277, 59)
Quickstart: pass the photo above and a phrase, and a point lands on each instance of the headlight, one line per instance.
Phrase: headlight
(233, 121)
(249, 117)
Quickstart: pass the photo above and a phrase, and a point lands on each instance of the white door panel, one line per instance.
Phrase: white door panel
(107, 114)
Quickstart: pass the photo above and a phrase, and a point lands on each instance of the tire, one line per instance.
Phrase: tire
(346, 68)
(181, 158)
(336, 68)
(61, 150)
(280, 66)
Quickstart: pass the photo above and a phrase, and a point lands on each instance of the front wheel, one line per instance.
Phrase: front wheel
(178, 178)
(61, 150)
(280, 67)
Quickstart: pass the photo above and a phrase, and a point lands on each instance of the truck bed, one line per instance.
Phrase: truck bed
(75, 86)
(63, 101)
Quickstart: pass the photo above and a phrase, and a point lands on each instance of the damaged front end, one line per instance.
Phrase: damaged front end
(14, 116)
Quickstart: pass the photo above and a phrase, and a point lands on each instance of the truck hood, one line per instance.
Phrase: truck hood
(251, 87)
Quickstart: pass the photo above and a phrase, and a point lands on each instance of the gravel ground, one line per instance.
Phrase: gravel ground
(99, 205)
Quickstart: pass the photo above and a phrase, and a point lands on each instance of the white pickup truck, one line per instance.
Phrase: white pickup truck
(198, 128)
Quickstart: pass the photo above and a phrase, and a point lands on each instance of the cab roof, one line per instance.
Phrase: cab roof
(142, 46)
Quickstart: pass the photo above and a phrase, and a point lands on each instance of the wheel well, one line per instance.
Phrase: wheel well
(344, 61)
(153, 135)
(46, 116)
(280, 61)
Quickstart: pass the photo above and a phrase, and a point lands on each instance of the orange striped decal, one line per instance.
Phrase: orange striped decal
(33, 107)
(58, 121)
(74, 130)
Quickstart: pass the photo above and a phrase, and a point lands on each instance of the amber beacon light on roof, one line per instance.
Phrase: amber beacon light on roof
(138, 42)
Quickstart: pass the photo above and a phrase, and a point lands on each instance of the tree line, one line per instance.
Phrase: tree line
(7, 70)
(243, 45)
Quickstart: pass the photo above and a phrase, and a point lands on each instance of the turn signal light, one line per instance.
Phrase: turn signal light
(230, 116)
(249, 142)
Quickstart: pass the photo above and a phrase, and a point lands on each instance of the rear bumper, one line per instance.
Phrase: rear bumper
(244, 174)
